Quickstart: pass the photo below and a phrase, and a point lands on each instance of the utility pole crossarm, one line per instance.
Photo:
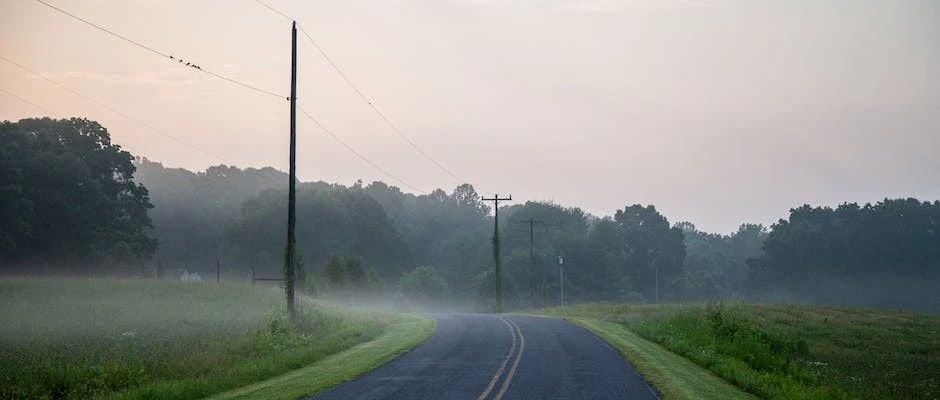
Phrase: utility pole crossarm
(497, 199)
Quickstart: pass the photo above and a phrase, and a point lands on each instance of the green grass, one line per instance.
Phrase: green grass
(674, 377)
(133, 339)
(400, 337)
(793, 352)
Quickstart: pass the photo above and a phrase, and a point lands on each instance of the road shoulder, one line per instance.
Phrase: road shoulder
(402, 336)
(674, 377)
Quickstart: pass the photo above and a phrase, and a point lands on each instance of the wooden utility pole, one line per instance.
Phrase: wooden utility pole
(218, 270)
(290, 256)
(532, 278)
(498, 267)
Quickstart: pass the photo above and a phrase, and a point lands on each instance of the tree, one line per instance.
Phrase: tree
(69, 196)
(886, 253)
(193, 210)
(716, 265)
(654, 252)
(423, 285)
(330, 221)
(346, 276)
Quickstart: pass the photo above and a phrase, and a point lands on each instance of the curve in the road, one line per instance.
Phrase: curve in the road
(472, 356)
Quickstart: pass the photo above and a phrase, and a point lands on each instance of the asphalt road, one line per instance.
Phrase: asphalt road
(508, 357)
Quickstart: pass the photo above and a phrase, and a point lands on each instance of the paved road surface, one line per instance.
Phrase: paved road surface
(501, 357)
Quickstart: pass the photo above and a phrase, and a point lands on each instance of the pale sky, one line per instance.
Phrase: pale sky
(717, 111)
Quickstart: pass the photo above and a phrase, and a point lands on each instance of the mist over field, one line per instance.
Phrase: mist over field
(376, 242)
(469, 199)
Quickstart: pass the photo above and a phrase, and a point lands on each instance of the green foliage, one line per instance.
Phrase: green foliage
(674, 377)
(68, 195)
(80, 339)
(422, 285)
(403, 334)
(716, 265)
(874, 254)
(192, 211)
(794, 352)
(654, 250)
(335, 221)
(346, 277)
(451, 231)
(767, 365)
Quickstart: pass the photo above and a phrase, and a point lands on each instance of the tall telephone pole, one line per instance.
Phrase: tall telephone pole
(290, 256)
(498, 270)
(532, 278)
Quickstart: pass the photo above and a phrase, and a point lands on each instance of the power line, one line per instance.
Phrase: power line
(111, 109)
(362, 95)
(330, 132)
(376, 109)
(358, 154)
(160, 53)
(107, 107)
(275, 10)
(25, 100)
(103, 29)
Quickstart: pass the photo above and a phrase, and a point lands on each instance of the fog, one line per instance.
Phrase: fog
(716, 111)
(374, 244)
(697, 198)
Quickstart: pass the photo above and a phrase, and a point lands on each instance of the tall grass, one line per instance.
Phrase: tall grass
(794, 352)
(770, 366)
(80, 339)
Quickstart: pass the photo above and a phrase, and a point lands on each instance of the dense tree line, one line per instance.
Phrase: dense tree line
(716, 265)
(194, 209)
(886, 253)
(70, 196)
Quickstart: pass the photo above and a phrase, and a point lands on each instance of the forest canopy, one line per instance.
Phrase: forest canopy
(68, 196)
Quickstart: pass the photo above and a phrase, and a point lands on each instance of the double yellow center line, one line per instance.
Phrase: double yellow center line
(518, 341)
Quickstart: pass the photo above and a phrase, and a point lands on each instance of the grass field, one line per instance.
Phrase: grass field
(790, 352)
(133, 339)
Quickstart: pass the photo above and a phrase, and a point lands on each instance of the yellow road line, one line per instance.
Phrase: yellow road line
(499, 372)
(515, 364)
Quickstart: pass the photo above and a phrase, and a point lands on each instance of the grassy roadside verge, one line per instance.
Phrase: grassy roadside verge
(136, 339)
(400, 337)
(674, 377)
(791, 351)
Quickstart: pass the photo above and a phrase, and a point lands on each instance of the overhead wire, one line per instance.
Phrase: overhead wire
(276, 11)
(25, 100)
(362, 95)
(113, 110)
(358, 154)
(161, 53)
(333, 135)
(107, 107)
(375, 109)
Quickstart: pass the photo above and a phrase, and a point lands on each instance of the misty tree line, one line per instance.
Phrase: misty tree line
(71, 198)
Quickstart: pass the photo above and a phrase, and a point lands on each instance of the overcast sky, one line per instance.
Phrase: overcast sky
(717, 112)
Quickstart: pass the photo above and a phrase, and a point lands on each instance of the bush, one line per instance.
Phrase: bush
(766, 365)
(422, 285)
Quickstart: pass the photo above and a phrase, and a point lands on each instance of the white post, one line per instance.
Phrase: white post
(561, 278)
